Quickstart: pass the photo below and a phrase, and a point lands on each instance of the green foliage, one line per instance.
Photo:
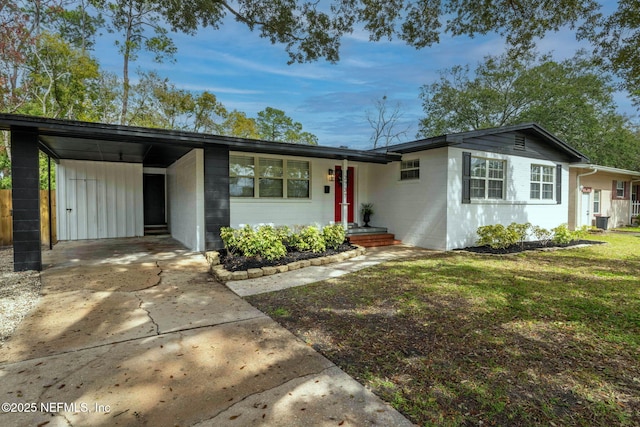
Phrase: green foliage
(542, 234)
(581, 233)
(310, 33)
(275, 125)
(334, 235)
(311, 239)
(617, 42)
(573, 99)
(500, 237)
(562, 235)
(519, 231)
(497, 236)
(366, 208)
(272, 242)
(264, 242)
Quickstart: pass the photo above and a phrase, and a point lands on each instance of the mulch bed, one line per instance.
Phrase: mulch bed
(526, 246)
(242, 263)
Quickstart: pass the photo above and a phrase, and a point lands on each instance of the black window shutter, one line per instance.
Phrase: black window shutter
(558, 184)
(466, 177)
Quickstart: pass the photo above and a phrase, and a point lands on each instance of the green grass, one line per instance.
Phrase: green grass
(635, 229)
(539, 338)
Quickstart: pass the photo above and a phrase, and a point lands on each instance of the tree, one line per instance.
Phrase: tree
(238, 124)
(617, 43)
(156, 102)
(58, 78)
(133, 19)
(310, 30)
(384, 122)
(275, 125)
(573, 99)
(77, 26)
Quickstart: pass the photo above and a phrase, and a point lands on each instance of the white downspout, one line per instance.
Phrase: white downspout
(578, 214)
(344, 204)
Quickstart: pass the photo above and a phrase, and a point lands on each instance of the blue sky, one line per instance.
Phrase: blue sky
(248, 73)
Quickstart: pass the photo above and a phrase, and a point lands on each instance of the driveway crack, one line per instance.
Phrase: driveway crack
(148, 314)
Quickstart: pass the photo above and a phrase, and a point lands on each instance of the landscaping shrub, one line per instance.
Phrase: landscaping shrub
(264, 242)
(311, 240)
(272, 243)
(562, 235)
(519, 232)
(333, 235)
(231, 237)
(497, 236)
(542, 234)
(500, 237)
(267, 244)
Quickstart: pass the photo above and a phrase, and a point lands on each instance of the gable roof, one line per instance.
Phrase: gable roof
(461, 138)
(68, 139)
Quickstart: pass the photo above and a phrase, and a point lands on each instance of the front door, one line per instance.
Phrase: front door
(153, 195)
(350, 194)
(585, 216)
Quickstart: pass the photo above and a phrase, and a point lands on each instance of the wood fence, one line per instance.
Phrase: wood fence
(6, 221)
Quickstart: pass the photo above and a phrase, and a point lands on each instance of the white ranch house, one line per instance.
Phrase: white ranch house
(119, 181)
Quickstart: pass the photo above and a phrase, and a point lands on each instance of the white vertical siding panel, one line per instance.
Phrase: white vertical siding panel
(121, 203)
(105, 198)
(72, 202)
(61, 202)
(91, 202)
(186, 199)
(101, 201)
(111, 202)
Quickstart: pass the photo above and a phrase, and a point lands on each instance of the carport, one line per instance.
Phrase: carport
(102, 171)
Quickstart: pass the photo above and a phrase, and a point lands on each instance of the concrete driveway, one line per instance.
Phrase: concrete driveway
(136, 332)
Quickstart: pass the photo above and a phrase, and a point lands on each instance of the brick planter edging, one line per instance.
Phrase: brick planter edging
(223, 275)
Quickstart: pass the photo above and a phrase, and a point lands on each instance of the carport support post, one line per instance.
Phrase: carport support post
(217, 206)
(25, 196)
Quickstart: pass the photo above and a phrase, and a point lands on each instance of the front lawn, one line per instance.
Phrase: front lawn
(540, 338)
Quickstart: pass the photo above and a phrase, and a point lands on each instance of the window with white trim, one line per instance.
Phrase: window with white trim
(487, 178)
(596, 202)
(620, 189)
(298, 179)
(272, 178)
(542, 182)
(410, 169)
(241, 176)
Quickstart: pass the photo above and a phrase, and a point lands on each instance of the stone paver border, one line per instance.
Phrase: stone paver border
(223, 275)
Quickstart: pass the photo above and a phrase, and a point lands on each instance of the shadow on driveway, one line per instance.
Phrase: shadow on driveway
(136, 332)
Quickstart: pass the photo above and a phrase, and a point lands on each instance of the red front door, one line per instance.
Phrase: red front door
(350, 193)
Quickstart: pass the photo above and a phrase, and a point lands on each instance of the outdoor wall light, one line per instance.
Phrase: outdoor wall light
(330, 175)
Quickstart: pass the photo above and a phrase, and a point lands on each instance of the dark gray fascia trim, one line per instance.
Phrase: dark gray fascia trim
(119, 133)
(458, 139)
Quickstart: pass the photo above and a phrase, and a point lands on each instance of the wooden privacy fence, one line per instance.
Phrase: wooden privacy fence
(6, 221)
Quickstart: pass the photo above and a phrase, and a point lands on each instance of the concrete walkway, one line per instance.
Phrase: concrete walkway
(314, 274)
(135, 332)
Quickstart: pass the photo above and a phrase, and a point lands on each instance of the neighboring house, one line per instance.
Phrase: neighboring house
(118, 181)
(600, 192)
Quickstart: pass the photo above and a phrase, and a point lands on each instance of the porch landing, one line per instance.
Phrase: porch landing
(370, 237)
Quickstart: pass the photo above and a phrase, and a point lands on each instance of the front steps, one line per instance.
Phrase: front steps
(156, 230)
(370, 237)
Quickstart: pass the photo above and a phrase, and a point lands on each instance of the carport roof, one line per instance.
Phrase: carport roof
(67, 139)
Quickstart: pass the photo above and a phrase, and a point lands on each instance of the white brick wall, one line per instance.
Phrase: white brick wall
(413, 210)
(464, 219)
